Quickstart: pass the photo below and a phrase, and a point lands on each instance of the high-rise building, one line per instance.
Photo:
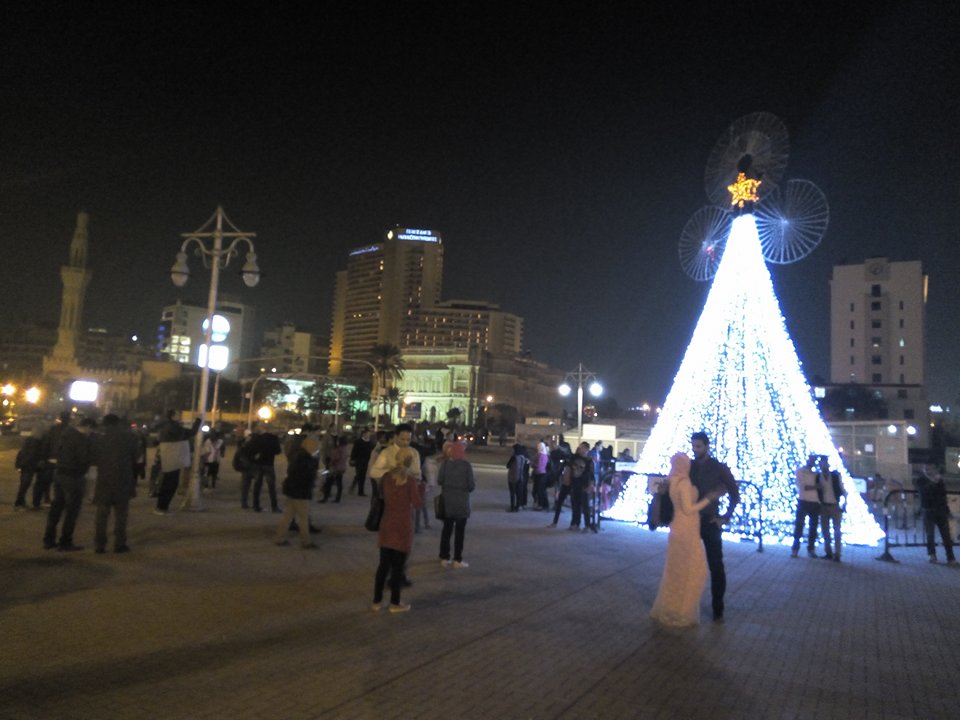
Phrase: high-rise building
(181, 335)
(878, 334)
(381, 293)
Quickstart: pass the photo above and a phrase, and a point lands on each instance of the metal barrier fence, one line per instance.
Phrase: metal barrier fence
(903, 521)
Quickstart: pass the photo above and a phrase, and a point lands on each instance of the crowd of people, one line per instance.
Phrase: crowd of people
(404, 472)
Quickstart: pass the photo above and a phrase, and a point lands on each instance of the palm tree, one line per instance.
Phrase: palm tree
(388, 360)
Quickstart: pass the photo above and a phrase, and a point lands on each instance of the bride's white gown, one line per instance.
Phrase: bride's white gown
(685, 571)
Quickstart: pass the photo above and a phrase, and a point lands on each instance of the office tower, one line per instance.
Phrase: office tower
(380, 294)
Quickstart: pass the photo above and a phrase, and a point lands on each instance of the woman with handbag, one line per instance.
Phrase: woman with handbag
(400, 494)
(456, 483)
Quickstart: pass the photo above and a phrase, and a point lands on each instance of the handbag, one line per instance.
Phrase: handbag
(439, 507)
(375, 514)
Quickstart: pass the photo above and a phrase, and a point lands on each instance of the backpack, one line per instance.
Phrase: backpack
(241, 458)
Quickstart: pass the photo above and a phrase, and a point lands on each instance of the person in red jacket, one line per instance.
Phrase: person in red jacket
(401, 495)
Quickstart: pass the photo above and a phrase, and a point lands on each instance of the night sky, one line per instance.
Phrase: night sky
(558, 153)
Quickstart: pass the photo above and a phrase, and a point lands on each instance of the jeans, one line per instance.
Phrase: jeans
(564, 491)
(392, 562)
(67, 498)
(449, 526)
(712, 536)
(43, 483)
(830, 515)
(332, 479)
(265, 472)
(806, 509)
(120, 512)
(540, 490)
(940, 520)
(26, 477)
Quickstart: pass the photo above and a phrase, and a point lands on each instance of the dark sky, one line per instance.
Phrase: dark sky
(558, 153)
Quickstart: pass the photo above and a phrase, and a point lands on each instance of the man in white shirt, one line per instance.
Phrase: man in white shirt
(386, 459)
(831, 490)
(808, 506)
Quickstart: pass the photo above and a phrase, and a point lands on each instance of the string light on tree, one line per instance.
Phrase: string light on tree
(741, 380)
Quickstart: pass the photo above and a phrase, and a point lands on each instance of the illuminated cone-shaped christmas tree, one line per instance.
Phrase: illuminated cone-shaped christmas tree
(740, 381)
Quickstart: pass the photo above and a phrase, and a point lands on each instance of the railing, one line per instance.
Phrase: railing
(901, 509)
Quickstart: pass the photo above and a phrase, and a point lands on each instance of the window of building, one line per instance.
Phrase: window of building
(853, 360)
(902, 393)
(876, 324)
(901, 322)
(901, 359)
(851, 325)
(875, 341)
(901, 304)
(908, 413)
(876, 378)
(852, 307)
(852, 342)
(875, 305)
(876, 360)
(875, 291)
(901, 379)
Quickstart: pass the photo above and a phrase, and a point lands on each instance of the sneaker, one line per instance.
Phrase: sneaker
(376, 607)
(794, 553)
(552, 525)
(932, 558)
(402, 607)
(459, 564)
(49, 545)
(445, 563)
(812, 553)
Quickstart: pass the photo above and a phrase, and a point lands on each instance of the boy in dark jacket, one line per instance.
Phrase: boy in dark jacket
(298, 488)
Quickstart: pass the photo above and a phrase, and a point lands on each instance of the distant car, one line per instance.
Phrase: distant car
(9, 426)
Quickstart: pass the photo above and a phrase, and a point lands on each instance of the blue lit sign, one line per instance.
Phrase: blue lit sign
(361, 251)
(414, 234)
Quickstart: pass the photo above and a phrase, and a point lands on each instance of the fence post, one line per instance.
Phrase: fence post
(886, 557)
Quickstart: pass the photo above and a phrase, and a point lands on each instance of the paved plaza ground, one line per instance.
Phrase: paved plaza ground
(207, 618)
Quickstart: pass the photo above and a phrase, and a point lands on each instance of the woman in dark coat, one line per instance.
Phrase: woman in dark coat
(401, 496)
(456, 482)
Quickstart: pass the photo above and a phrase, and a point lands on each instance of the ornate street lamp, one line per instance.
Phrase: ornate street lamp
(214, 257)
(580, 376)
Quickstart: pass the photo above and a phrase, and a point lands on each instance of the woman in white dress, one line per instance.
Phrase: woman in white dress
(685, 571)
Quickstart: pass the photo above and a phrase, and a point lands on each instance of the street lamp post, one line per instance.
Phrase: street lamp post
(214, 257)
(581, 375)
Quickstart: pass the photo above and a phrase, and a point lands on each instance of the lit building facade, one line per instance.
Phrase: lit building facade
(464, 324)
(382, 291)
(436, 381)
(878, 335)
(290, 350)
(181, 335)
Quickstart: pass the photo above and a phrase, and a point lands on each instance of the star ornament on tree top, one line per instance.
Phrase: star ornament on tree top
(744, 190)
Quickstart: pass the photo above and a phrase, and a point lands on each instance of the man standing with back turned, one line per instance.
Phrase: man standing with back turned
(708, 475)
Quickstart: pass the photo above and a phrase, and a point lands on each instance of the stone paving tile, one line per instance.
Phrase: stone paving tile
(208, 619)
